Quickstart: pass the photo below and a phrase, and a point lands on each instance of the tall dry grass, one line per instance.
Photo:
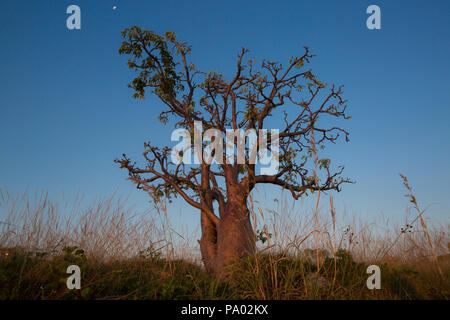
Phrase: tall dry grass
(415, 255)
(105, 229)
(291, 263)
(374, 240)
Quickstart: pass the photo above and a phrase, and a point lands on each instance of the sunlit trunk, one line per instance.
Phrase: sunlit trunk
(208, 243)
(235, 237)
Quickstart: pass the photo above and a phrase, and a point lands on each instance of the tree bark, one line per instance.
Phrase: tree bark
(235, 237)
(208, 243)
(228, 241)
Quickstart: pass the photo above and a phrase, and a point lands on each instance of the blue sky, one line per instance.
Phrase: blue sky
(66, 112)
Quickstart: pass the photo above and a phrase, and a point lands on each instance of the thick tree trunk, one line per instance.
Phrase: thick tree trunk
(208, 243)
(231, 239)
(235, 237)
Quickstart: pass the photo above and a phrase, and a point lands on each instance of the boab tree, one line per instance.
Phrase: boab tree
(290, 94)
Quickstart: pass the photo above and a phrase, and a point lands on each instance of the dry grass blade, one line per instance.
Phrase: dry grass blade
(422, 221)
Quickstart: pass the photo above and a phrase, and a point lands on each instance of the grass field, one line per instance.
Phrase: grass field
(321, 254)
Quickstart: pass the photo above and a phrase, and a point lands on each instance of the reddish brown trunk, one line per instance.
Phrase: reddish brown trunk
(235, 237)
(208, 243)
(231, 239)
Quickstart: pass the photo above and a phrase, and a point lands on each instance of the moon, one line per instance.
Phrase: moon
(114, 7)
